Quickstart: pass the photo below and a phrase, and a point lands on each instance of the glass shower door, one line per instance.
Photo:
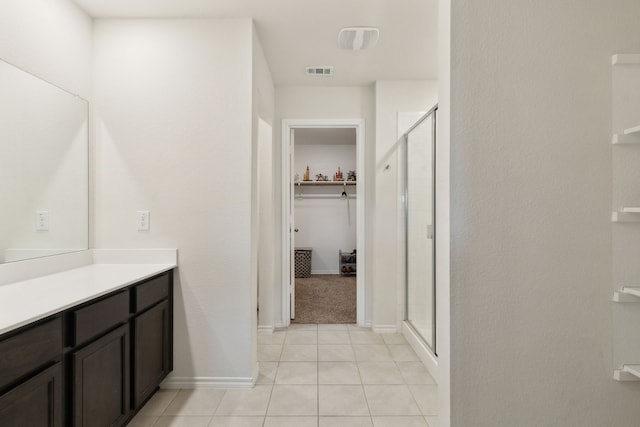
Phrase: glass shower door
(420, 221)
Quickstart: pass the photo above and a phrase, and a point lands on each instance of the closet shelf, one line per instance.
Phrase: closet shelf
(627, 373)
(626, 215)
(627, 294)
(299, 183)
(625, 59)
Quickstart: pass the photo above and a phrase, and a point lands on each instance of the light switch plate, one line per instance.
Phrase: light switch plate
(42, 221)
(143, 220)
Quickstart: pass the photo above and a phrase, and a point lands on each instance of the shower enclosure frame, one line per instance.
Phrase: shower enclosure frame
(429, 115)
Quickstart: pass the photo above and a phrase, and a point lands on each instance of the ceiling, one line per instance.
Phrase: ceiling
(300, 33)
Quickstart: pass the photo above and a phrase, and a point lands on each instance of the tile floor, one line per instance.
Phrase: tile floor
(315, 376)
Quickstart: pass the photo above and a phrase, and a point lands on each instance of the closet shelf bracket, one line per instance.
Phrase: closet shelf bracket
(627, 373)
(627, 294)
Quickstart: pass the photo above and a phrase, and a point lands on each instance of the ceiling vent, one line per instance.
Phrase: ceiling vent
(358, 38)
(320, 70)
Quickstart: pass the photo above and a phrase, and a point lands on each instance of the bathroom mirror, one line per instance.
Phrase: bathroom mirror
(43, 168)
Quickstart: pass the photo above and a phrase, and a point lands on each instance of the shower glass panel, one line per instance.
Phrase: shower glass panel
(420, 221)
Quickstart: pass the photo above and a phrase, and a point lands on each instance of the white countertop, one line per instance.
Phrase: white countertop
(26, 301)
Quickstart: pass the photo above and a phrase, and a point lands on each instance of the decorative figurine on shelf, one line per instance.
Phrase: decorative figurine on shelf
(351, 176)
(306, 175)
(338, 175)
(321, 177)
(296, 178)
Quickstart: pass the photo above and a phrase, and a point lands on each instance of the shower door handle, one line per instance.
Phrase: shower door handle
(430, 232)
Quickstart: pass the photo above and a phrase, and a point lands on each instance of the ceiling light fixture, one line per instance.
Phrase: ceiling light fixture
(358, 38)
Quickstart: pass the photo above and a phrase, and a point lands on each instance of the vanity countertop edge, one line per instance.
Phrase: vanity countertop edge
(26, 301)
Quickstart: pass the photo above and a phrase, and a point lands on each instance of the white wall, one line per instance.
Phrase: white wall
(392, 98)
(325, 224)
(49, 38)
(531, 168)
(173, 134)
(305, 102)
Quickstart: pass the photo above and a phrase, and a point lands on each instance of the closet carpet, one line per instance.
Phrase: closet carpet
(326, 299)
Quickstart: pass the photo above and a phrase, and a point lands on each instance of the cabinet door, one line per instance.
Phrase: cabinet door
(36, 402)
(152, 351)
(101, 381)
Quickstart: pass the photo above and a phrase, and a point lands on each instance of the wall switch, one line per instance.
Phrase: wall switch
(143, 220)
(42, 221)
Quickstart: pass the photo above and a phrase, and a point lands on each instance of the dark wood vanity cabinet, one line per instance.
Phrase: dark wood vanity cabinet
(93, 365)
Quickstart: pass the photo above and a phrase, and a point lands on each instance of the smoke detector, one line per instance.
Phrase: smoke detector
(358, 38)
(319, 70)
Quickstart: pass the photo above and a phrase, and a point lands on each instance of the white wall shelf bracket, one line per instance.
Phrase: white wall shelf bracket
(627, 294)
(625, 59)
(625, 138)
(625, 217)
(627, 373)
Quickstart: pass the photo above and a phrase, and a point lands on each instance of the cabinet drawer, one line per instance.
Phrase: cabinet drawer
(29, 350)
(100, 316)
(151, 292)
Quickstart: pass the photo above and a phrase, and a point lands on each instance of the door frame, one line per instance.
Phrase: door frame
(287, 182)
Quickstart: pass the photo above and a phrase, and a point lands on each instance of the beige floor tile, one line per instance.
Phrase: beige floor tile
(427, 398)
(403, 353)
(333, 337)
(217, 421)
(297, 373)
(291, 422)
(183, 421)
(252, 402)
(236, 421)
(299, 353)
(365, 337)
(158, 403)
(333, 327)
(142, 421)
(195, 402)
(390, 400)
(372, 353)
(343, 400)
(338, 373)
(335, 353)
(415, 373)
(277, 337)
(394, 339)
(380, 373)
(303, 327)
(345, 422)
(293, 400)
(300, 337)
(269, 352)
(432, 421)
(355, 327)
(267, 373)
(411, 421)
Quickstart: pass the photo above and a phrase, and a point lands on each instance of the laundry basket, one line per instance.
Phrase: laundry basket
(303, 262)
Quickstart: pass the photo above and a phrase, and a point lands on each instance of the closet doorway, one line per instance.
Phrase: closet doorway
(323, 259)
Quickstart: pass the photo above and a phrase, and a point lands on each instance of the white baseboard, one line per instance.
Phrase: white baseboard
(424, 353)
(280, 325)
(207, 382)
(324, 272)
(265, 329)
(385, 329)
(366, 324)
